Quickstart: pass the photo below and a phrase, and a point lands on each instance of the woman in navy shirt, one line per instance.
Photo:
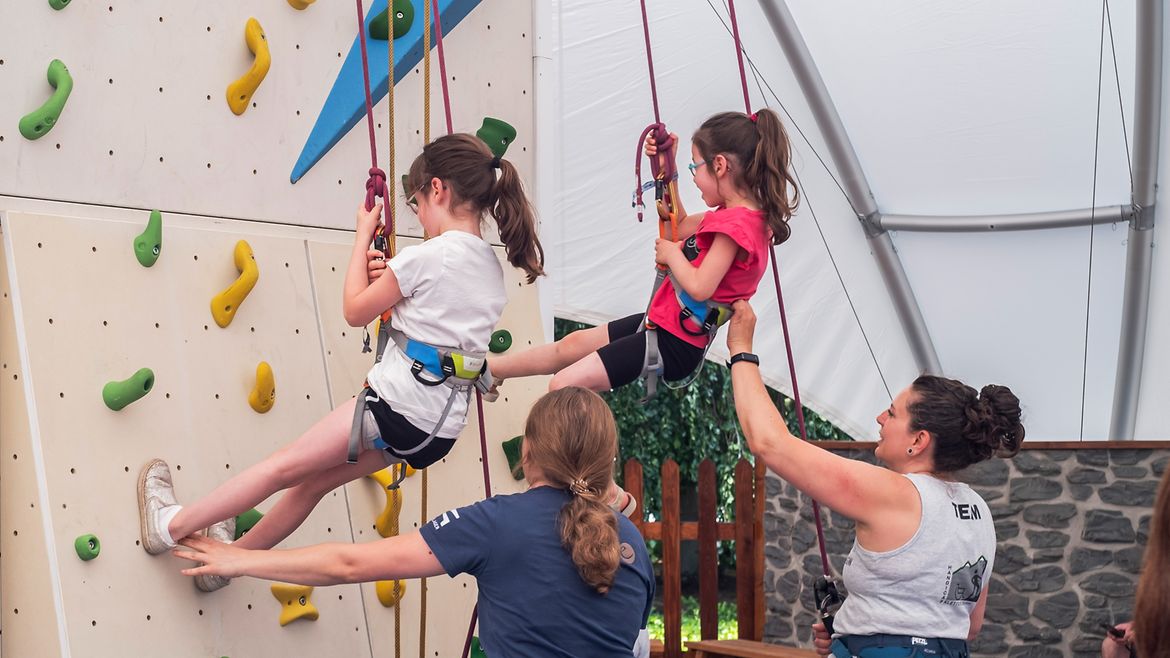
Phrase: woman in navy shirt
(559, 573)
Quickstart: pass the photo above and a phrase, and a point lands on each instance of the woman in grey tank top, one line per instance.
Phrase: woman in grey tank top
(925, 543)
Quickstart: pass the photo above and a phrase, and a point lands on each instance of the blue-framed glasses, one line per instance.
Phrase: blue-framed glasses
(694, 166)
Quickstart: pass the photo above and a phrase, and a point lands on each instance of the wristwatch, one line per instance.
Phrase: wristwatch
(743, 356)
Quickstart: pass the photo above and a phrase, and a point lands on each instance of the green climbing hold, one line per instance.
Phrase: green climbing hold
(119, 394)
(476, 650)
(58, 4)
(497, 135)
(87, 547)
(247, 521)
(148, 244)
(500, 342)
(39, 122)
(403, 17)
(513, 452)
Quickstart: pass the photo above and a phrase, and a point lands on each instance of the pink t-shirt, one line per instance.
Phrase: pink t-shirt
(749, 230)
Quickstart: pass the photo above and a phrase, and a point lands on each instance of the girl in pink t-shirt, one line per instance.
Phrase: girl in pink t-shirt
(741, 164)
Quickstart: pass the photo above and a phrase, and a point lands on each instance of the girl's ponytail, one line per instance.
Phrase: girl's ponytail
(516, 221)
(769, 174)
(759, 145)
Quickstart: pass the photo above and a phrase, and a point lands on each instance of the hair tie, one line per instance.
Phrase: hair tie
(579, 487)
(495, 164)
(754, 116)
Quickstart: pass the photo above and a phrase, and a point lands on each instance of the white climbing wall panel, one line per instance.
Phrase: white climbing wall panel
(70, 464)
(148, 126)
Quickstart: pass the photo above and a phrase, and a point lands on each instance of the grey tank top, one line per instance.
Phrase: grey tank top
(928, 586)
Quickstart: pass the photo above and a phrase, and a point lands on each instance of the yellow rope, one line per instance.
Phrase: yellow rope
(422, 624)
(392, 182)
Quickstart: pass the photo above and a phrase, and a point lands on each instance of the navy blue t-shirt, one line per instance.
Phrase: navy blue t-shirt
(532, 601)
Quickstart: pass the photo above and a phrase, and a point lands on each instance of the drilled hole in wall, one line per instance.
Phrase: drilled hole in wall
(93, 249)
(160, 90)
(111, 81)
(156, 325)
(208, 28)
(73, 470)
(105, 323)
(217, 396)
(298, 46)
(58, 147)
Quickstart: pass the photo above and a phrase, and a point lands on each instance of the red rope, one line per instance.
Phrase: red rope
(667, 170)
(442, 65)
(816, 508)
(376, 183)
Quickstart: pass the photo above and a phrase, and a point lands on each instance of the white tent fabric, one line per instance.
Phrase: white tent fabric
(953, 109)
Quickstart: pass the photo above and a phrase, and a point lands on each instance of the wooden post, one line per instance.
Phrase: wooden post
(633, 484)
(744, 550)
(671, 578)
(708, 554)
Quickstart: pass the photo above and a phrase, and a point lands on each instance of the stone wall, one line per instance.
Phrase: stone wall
(1071, 526)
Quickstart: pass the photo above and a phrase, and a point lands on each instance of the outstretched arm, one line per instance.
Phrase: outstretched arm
(860, 491)
(403, 556)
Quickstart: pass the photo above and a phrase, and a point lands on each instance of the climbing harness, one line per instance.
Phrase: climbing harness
(431, 365)
(697, 318)
(828, 598)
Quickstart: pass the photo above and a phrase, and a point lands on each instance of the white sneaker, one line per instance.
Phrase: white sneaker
(224, 532)
(155, 491)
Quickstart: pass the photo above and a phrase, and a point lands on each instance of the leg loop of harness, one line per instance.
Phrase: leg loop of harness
(651, 364)
(364, 398)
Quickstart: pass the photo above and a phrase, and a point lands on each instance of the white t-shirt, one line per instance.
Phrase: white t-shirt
(453, 294)
(928, 586)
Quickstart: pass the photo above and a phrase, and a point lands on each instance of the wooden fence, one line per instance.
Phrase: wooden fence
(747, 531)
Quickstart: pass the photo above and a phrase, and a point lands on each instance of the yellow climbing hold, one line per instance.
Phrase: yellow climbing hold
(390, 592)
(300, 4)
(239, 93)
(225, 304)
(295, 602)
(387, 522)
(263, 394)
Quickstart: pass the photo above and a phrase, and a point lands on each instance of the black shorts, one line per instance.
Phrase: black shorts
(400, 434)
(626, 352)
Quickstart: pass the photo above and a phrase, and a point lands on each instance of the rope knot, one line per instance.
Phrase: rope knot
(375, 186)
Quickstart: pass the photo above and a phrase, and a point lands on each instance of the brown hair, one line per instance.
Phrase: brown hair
(760, 147)
(465, 163)
(965, 427)
(1152, 605)
(571, 437)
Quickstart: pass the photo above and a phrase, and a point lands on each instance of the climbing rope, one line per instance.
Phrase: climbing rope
(825, 589)
(422, 621)
(662, 167)
(376, 183)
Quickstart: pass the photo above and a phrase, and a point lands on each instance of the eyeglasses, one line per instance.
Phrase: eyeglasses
(411, 199)
(694, 166)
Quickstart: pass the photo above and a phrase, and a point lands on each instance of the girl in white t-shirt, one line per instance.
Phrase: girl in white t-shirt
(446, 292)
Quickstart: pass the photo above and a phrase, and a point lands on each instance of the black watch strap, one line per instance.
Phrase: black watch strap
(743, 356)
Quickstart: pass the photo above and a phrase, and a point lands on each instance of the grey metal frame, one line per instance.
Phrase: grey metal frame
(1139, 214)
(853, 180)
(1135, 308)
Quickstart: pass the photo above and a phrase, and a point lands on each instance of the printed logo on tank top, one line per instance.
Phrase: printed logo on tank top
(964, 584)
(966, 512)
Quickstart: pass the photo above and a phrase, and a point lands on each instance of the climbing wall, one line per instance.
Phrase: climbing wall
(147, 124)
(80, 311)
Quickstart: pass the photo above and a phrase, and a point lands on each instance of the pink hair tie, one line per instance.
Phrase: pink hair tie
(753, 117)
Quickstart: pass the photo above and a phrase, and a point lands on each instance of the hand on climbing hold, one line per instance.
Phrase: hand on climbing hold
(375, 265)
(667, 252)
(218, 559)
(651, 147)
(741, 328)
(368, 221)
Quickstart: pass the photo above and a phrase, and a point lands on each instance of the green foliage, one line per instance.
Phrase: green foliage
(728, 624)
(689, 425)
